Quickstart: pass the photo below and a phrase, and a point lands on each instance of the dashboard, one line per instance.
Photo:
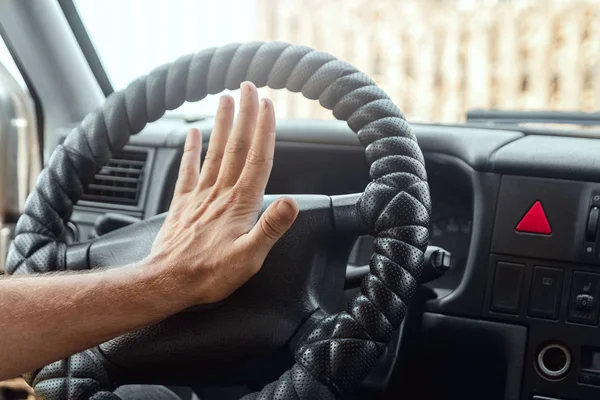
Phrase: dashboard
(517, 314)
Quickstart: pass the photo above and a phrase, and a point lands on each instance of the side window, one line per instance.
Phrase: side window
(7, 61)
(19, 147)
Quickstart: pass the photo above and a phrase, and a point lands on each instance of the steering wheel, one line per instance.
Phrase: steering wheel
(291, 302)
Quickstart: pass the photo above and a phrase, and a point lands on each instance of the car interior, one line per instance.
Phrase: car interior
(468, 251)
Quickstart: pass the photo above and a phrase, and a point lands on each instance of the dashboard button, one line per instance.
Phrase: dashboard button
(535, 221)
(589, 378)
(585, 286)
(584, 302)
(508, 285)
(591, 230)
(546, 288)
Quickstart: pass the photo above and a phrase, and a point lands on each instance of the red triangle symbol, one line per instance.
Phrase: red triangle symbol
(535, 221)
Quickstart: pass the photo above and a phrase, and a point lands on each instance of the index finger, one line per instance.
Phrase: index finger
(259, 162)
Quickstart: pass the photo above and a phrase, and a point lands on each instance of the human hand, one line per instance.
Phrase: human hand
(211, 236)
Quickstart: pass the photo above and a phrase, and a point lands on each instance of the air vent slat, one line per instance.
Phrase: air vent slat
(102, 199)
(120, 181)
(131, 163)
(119, 170)
(94, 186)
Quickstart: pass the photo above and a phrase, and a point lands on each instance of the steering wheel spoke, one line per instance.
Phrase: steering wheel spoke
(346, 215)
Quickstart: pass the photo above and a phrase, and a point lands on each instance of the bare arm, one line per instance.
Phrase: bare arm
(209, 245)
(46, 318)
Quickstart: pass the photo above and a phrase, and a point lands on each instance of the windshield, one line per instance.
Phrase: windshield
(435, 58)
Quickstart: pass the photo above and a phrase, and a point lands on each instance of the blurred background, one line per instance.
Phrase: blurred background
(435, 58)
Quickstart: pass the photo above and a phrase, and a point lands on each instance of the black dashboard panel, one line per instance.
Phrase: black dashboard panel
(482, 182)
(475, 146)
(574, 158)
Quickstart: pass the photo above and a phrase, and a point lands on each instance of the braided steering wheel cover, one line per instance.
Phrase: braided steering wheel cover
(340, 350)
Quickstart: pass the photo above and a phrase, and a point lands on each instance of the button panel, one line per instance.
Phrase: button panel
(583, 303)
(558, 242)
(546, 289)
(558, 302)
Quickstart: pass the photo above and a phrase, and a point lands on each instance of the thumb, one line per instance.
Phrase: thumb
(272, 224)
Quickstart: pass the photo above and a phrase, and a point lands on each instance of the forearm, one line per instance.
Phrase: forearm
(46, 318)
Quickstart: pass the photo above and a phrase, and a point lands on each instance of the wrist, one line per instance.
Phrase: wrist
(170, 288)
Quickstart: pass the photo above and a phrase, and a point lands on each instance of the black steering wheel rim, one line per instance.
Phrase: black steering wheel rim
(395, 205)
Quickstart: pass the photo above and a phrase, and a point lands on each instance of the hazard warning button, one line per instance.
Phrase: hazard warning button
(535, 221)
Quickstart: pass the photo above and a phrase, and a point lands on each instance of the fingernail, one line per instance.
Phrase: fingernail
(225, 101)
(285, 210)
(264, 104)
(246, 87)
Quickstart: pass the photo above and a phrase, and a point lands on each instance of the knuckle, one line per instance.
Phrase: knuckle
(270, 227)
(213, 155)
(235, 147)
(242, 194)
(248, 111)
(189, 148)
(258, 159)
(244, 191)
